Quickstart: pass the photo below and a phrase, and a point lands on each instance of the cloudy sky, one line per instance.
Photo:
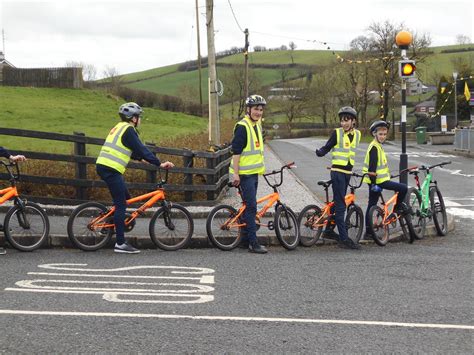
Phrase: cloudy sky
(138, 35)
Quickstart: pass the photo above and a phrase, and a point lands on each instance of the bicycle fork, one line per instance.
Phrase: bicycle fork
(21, 216)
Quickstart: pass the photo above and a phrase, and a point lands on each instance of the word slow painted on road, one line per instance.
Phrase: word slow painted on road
(131, 284)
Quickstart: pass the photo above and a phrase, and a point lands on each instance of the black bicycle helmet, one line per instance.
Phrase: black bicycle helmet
(129, 110)
(255, 100)
(377, 124)
(347, 111)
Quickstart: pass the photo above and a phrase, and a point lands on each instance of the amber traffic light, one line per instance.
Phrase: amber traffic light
(406, 68)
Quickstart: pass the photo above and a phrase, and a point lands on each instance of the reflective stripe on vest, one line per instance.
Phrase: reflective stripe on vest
(382, 170)
(113, 153)
(343, 152)
(251, 158)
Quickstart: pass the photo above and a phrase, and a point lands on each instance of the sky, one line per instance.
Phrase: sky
(136, 35)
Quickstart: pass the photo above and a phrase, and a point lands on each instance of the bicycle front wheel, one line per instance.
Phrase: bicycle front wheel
(408, 233)
(223, 233)
(354, 222)
(380, 230)
(419, 217)
(171, 228)
(26, 226)
(440, 218)
(310, 225)
(81, 230)
(286, 227)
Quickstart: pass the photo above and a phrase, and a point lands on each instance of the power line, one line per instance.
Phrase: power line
(235, 18)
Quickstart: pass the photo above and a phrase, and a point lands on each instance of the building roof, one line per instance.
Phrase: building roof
(429, 103)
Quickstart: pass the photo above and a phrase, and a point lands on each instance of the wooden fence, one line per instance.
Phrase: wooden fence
(43, 77)
(215, 172)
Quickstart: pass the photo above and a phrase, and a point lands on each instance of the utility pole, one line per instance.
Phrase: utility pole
(214, 128)
(246, 57)
(199, 56)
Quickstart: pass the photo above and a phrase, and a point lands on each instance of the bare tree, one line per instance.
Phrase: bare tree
(292, 46)
(111, 75)
(89, 71)
(463, 39)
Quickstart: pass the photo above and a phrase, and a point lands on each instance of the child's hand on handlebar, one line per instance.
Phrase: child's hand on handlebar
(167, 165)
(15, 158)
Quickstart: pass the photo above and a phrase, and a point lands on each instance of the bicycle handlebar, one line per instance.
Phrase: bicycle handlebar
(9, 166)
(428, 168)
(165, 180)
(274, 172)
(411, 168)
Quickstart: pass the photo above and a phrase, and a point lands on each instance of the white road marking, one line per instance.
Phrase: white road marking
(175, 269)
(461, 212)
(240, 319)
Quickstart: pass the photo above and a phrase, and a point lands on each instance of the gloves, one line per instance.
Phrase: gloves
(319, 153)
(376, 188)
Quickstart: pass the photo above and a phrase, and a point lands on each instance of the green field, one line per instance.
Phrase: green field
(71, 110)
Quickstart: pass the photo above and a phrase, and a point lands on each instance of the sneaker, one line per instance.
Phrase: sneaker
(368, 236)
(257, 248)
(330, 234)
(348, 244)
(244, 244)
(402, 209)
(2, 251)
(125, 248)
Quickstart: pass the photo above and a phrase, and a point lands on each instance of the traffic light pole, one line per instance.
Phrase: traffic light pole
(403, 125)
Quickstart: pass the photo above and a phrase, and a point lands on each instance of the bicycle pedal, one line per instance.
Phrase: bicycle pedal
(271, 225)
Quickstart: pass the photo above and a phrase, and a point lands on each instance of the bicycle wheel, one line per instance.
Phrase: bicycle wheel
(380, 231)
(82, 233)
(440, 218)
(408, 233)
(171, 228)
(286, 227)
(309, 232)
(419, 218)
(354, 222)
(26, 226)
(221, 234)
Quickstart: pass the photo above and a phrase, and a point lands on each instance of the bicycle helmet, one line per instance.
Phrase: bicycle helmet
(129, 110)
(377, 124)
(255, 100)
(347, 111)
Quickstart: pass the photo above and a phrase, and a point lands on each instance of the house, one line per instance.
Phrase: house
(427, 107)
(4, 63)
(416, 87)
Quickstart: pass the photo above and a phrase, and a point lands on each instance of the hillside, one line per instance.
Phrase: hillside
(88, 111)
(168, 80)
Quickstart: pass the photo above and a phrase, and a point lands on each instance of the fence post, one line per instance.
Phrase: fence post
(151, 174)
(81, 168)
(188, 162)
(211, 179)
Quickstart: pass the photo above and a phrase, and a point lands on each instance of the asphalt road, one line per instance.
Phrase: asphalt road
(401, 298)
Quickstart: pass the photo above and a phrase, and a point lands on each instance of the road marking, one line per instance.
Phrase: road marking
(461, 212)
(239, 319)
(175, 269)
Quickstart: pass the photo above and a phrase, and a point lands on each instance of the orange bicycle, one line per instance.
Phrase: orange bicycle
(383, 218)
(224, 222)
(312, 218)
(91, 226)
(26, 224)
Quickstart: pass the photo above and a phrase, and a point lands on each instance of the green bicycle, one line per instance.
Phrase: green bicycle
(426, 202)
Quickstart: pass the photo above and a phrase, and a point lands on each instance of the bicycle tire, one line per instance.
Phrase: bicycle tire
(29, 230)
(309, 234)
(408, 234)
(380, 231)
(81, 234)
(438, 208)
(166, 233)
(419, 219)
(222, 236)
(354, 222)
(286, 227)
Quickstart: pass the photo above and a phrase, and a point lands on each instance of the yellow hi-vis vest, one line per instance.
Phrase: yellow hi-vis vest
(251, 158)
(343, 152)
(382, 171)
(113, 153)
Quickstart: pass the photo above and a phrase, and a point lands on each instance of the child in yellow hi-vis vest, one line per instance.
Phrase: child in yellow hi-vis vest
(376, 162)
(342, 143)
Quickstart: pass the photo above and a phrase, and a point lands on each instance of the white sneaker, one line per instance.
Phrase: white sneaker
(125, 248)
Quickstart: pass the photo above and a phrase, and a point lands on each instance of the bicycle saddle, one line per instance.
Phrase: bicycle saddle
(325, 183)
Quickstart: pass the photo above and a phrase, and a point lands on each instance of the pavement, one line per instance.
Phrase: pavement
(292, 192)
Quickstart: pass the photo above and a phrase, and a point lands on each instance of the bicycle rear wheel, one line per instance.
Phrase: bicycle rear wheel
(82, 232)
(171, 228)
(286, 227)
(380, 231)
(221, 233)
(440, 218)
(408, 234)
(354, 222)
(419, 218)
(26, 226)
(307, 219)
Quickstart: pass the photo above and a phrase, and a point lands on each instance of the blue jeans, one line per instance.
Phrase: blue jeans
(340, 181)
(374, 197)
(119, 192)
(249, 185)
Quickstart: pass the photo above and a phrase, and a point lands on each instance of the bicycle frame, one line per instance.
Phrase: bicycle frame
(389, 208)
(7, 194)
(153, 197)
(425, 193)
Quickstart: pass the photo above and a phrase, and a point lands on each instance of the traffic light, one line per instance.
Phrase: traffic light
(406, 68)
